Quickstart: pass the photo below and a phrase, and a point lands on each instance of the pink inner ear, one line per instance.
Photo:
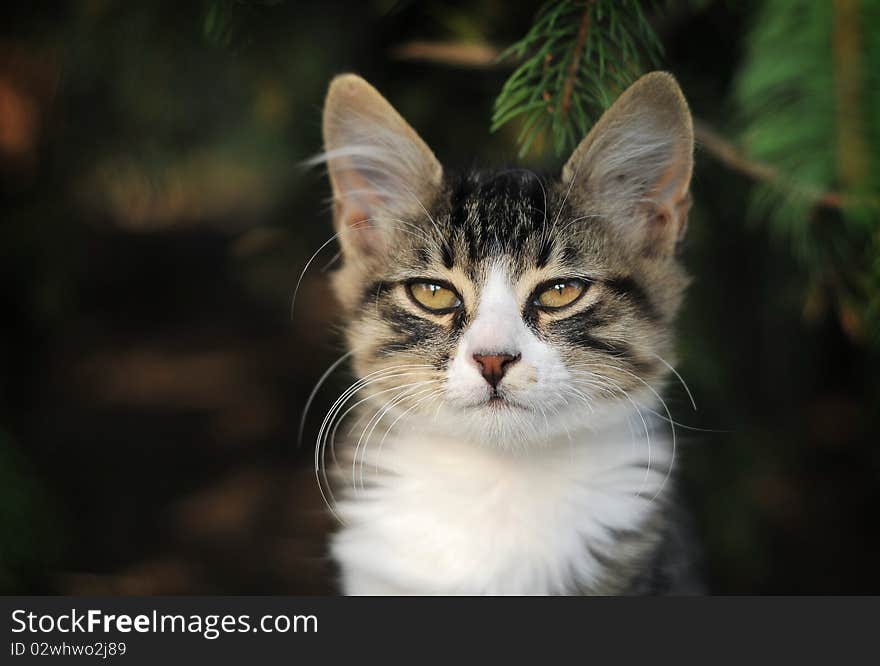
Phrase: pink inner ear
(667, 215)
(357, 229)
(681, 213)
(657, 235)
(664, 226)
(354, 212)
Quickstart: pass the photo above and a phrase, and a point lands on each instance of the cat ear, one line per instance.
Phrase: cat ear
(634, 167)
(380, 169)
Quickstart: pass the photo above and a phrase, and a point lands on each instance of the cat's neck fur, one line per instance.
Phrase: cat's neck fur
(441, 515)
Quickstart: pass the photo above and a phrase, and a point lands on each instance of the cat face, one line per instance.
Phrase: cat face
(506, 307)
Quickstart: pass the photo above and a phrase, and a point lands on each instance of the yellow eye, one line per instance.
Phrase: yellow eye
(434, 297)
(560, 293)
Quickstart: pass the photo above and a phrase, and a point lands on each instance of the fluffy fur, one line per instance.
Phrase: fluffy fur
(558, 479)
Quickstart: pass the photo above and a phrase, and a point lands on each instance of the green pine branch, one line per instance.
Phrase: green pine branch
(810, 110)
(576, 58)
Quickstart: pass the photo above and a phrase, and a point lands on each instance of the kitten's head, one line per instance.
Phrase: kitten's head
(505, 306)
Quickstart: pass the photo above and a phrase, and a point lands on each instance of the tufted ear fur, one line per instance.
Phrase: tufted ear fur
(634, 167)
(380, 169)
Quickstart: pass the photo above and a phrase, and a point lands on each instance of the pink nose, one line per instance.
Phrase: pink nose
(494, 366)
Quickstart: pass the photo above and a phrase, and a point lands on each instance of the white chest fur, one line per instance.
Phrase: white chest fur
(446, 516)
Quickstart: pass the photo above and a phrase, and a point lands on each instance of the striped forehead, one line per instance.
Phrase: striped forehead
(502, 214)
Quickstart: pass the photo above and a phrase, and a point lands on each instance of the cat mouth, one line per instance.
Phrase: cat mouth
(498, 402)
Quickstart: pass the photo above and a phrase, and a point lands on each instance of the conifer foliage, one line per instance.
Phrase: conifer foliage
(808, 92)
(576, 58)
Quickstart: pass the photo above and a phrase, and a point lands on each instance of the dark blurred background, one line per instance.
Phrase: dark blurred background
(154, 221)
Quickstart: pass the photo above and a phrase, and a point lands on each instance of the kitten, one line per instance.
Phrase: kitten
(511, 335)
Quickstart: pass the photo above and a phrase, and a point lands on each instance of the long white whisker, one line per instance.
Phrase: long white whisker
(653, 412)
(431, 394)
(680, 378)
(333, 414)
(407, 395)
(359, 226)
(339, 420)
(320, 471)
(668, 414)
(327, 373)
(568, 192)
(611, 383)
(380, 413)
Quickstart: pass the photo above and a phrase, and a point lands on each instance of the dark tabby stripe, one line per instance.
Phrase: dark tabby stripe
(375, 291)
(627, 287)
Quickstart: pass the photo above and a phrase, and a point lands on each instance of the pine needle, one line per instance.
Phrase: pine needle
(577, 56)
